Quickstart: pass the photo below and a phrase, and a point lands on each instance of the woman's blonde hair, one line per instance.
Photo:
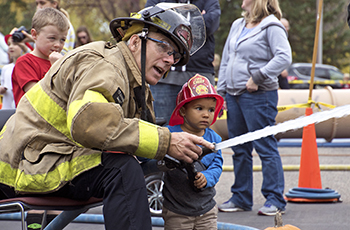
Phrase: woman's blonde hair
(262, 9)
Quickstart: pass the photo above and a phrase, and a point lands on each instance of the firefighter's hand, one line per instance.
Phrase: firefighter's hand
(184, 146)
(200, 180)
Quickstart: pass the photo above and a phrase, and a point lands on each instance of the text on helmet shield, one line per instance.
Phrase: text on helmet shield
(161, 23)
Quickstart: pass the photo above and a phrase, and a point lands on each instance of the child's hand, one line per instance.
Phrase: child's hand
(54, 56)
(2, 90)
(200, 181)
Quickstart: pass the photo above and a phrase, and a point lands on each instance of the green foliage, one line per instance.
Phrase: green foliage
(336, 35)
(302, 17)
(96, 15)
(15, 14)
(230, 11)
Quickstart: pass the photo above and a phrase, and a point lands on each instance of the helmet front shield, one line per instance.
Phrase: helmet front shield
(194, 16)
(184, 23)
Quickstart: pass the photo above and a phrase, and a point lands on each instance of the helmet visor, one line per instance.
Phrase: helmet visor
(194, 16)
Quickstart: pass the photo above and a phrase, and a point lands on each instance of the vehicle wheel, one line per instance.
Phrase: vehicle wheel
(154, 186)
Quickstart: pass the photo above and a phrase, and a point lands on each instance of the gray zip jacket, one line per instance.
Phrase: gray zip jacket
(262, 54)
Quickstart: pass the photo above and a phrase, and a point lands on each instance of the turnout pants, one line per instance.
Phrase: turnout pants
(119, 180)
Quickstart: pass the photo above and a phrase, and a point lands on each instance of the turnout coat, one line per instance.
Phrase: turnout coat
(88, 102)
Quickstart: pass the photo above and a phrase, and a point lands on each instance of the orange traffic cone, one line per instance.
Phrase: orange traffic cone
(310, 186)
(309, 172)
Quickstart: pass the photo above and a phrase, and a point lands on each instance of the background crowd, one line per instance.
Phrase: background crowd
(252, 68)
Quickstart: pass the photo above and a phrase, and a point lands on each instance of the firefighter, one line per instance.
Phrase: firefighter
(76, 132)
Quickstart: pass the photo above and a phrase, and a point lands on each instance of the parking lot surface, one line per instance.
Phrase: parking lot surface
(306, 216)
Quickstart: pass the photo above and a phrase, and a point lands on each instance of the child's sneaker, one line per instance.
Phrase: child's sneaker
(269, 210)
(229, 206)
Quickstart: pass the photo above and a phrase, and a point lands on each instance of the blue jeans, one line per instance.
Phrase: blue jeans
(246, 113)
(164, 99)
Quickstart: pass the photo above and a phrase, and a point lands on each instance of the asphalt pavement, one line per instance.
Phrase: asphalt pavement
(306, 216)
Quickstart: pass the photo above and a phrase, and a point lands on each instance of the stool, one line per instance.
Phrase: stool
(71, 208)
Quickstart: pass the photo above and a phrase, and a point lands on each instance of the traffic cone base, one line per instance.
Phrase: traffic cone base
(310, 186)
(312, 195)
(305, 200)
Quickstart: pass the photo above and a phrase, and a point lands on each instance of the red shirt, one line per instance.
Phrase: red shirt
(27, 68)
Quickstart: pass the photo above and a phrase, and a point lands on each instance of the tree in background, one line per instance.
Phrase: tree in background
(302, 17)
(230, 11)
(337, 33)
(96, 15)
(15, 14)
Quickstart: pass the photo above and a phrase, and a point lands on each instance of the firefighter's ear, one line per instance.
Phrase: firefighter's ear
(134, 42)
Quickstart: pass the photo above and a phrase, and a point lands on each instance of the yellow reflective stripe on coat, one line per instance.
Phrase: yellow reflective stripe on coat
(37, 98)
(148, 140)
(2, 132)
(35, 183)
(75, 106)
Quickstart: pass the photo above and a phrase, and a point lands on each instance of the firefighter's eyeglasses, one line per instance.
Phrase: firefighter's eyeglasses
(166, 48)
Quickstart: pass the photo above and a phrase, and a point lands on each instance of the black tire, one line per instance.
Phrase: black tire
(154, 186)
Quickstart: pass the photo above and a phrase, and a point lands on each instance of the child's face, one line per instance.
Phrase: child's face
(48, 40)
(198, 114)
(14, 50)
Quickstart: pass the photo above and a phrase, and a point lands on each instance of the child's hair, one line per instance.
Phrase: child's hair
(49, 17)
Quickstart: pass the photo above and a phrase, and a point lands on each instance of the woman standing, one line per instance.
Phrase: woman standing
(83, 36)
(255, 53)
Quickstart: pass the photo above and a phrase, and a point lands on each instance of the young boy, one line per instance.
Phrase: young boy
(49, 31)
(197, 107)
(15, 50)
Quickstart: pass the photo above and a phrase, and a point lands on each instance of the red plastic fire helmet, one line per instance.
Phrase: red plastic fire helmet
(197, 87)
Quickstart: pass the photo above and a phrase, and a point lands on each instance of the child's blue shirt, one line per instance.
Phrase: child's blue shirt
(212, 161)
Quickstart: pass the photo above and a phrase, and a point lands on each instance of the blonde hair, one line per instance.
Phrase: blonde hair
(262, 9)
(50, 16)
